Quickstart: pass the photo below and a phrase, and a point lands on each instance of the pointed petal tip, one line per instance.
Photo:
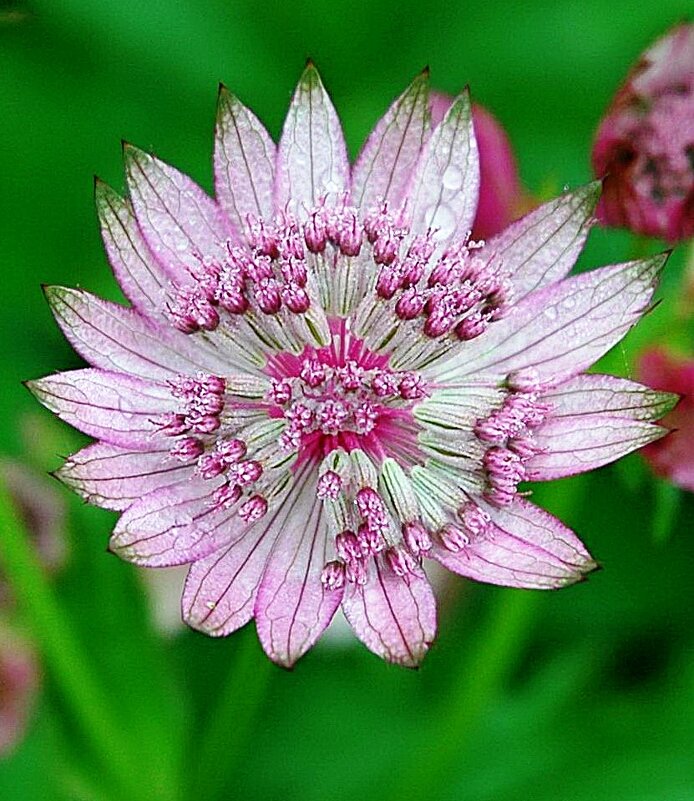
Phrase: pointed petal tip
(32, 385)
(225, 97)
(103, 192)
(132, 153)
(310, 76)
(670, 400)
(52, 291)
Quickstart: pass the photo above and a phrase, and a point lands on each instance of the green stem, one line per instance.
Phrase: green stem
(427, 773)
(479, 679)
(62, 653)
(666, 504)
(224, 737)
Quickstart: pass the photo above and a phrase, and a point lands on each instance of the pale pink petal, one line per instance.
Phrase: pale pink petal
(178, 220)
(292, 608)
(543, 246)
(394, 617)
(385, 165)
(122, 340)
(173, 526)
(562, 329)
(220, 590)
(595, 393)
(244, 162)
(524, 546)
(312, 161)
(142, 278)
(446, 183)
(576, 444)
(501, 195)
(113, 477)
(115, 407)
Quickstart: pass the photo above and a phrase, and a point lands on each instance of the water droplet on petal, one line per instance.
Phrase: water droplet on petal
(440, 219)
(452, 177)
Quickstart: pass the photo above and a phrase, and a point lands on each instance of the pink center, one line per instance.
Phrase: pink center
(343, 396)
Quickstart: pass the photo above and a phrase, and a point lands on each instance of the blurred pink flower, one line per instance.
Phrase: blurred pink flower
(673, 456)
(502, 198)
(42, 510)
(322, 381)
(645, 144)
(19, 680)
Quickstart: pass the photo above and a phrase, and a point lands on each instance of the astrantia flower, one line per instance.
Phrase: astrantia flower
(673, 458)
(322, 380)
(645, 143)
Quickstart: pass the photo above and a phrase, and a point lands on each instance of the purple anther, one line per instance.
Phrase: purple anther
(186, 449)
(333, 576)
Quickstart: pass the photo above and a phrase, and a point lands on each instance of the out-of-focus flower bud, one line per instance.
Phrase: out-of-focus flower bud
(42, 509)
(19, 680)
(645, 144)
(502, 198)
(673, 456)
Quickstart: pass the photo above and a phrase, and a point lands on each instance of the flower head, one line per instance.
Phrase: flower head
(645, 144)
(673, 457)
(323, 381)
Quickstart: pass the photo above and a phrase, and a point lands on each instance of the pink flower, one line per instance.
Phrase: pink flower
(303, 455)
(19, 680)
(645, 144)
(502, 199)
(672, 457)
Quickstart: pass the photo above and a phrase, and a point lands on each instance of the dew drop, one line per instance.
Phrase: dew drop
(452, 177)
(551, 313)
(441, 219)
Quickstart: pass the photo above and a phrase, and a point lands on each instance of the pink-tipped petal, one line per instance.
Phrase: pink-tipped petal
(142, 278)
(394, 616)
(562, 329)
(312, 161)
(593, 394)
(446, 182)
(174, 526)
(178, 220)
(385, 165)
(543, 246)
(293, 608)
(114, 478)
(244, 162)
(523, 546)
(120, 339)
(576, 444)
(114, 407)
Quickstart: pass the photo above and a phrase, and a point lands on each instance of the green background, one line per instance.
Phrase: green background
(583, 694)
